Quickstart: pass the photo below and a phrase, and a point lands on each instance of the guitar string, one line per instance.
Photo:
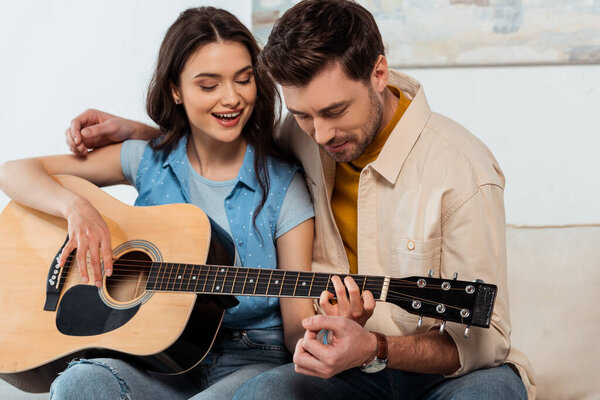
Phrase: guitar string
(143, 265)
(392, 295)
(212, 276)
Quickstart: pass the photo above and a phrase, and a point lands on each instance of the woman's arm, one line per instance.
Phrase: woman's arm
(28, 181)
(294, 252)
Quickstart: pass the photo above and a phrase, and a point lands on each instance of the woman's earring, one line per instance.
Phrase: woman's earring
(177, 101)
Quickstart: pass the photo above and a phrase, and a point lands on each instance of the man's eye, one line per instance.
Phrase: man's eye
(336, 113)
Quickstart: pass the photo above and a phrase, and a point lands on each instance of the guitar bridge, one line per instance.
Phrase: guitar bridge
(55, 279)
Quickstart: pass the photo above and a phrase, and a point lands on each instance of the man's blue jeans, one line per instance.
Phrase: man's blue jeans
(500, 383)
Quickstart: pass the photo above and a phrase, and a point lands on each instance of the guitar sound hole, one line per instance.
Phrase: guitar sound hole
(129, 277)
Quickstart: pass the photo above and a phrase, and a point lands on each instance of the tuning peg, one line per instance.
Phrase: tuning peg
(420, 323)
(430, 273)
(455, 276)
(467, 330)
(442, 327)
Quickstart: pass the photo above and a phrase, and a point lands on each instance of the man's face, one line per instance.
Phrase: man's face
(341, 114)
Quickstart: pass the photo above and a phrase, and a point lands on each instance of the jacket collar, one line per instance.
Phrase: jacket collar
(407, 131)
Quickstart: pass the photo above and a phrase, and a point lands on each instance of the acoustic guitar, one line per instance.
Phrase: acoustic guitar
(163, 303)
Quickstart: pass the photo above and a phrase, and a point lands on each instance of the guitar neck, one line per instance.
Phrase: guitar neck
(217, 279)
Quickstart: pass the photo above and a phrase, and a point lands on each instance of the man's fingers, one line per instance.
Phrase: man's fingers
(368, 301)
(340, 293)
(324, 299)
(356, 310)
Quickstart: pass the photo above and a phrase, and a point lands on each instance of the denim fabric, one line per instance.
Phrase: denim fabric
(164, 178)
(237, 356)
(498, 383)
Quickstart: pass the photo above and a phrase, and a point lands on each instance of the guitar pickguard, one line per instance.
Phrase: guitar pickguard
(82, 312)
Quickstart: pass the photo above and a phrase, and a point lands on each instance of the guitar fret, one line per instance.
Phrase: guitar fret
(220, 279)
(374, 284)
(152, 277)
(319, 286)
(181, 277)
(282, 282)
(210, 279)
(251, 281)
(228, 282)
(176, 278)
(269, 284)
(162, 276)
(196, 276)
(164, 285)
(257, 279)
(234, 280)
(303, 287)
(262, 282)
(276, 282)
(187, 276)
(328, 282)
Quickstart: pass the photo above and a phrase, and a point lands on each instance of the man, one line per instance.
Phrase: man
(398, 191)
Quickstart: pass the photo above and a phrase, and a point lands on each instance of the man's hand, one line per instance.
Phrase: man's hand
(350, 347)
(93, 128)
(353, 306)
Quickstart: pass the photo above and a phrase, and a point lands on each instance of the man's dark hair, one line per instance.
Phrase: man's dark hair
(314, 33)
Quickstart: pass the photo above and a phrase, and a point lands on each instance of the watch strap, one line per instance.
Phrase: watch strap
(382, 346)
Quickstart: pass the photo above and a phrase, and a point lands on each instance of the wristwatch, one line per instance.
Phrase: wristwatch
(381, 359)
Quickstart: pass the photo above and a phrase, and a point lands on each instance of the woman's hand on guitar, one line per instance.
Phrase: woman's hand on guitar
(88, 233)
(351, 304)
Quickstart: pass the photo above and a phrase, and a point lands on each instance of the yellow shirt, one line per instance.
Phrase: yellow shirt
(347, 175)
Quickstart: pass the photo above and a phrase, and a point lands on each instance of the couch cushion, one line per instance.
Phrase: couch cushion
(554, 282)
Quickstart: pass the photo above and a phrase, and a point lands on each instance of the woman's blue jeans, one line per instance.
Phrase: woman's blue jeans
(236, 356)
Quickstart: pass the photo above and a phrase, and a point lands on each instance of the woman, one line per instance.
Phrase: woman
(216, 150)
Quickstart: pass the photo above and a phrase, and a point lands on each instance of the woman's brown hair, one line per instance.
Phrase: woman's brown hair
(193, 29)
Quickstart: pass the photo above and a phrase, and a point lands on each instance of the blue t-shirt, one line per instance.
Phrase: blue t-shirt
(169, 178)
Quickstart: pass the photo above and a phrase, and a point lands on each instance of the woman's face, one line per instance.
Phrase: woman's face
(217, 90)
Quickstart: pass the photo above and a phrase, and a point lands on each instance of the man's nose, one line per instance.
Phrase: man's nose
(324, 132)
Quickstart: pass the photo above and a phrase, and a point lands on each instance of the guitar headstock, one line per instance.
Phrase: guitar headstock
(467, 303)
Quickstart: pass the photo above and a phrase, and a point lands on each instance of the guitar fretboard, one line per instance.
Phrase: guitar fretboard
(215, 279)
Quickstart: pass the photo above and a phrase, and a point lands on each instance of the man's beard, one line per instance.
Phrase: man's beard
(371, 127)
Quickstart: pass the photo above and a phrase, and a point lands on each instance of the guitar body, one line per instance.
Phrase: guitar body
(162, 307)
(121, 316)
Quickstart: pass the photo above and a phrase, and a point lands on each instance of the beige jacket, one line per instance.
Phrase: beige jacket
(432, 200)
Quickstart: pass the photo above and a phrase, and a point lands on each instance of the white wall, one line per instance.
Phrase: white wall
(61, 57)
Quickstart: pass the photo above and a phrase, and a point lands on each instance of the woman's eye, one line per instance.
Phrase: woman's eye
(208, 88)
(245, 81)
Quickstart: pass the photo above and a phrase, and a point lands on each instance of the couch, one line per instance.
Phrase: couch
(553, 275)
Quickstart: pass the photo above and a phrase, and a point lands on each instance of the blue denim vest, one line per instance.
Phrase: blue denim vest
(163, 178)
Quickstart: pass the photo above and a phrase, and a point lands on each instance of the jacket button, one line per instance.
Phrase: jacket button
(241, 243)
(410, 245)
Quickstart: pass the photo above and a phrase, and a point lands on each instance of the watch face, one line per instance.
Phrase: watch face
(374, 366)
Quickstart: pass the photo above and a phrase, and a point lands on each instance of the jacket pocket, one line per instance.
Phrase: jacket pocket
(415, 257)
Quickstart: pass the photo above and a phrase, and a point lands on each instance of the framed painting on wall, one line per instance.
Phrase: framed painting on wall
(450, 33)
